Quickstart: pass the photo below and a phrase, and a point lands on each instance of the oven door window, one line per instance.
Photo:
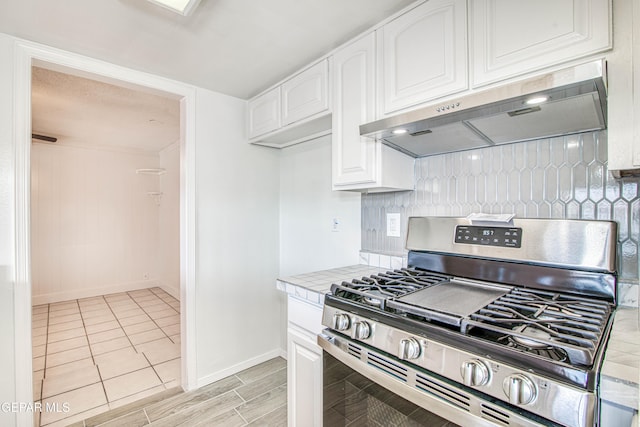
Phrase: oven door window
(352, 399)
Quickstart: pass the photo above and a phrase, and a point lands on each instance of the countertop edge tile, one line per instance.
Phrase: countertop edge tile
(312, 286)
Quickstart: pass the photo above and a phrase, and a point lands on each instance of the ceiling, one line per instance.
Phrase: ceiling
(91, 114)
(236, 47)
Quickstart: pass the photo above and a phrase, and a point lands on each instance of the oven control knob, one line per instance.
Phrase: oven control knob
(475, 373)
(361, 330)
(409, 349)
(519, 389)
(341, 322)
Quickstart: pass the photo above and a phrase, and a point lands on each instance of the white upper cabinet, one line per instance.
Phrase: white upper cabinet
(264, 113)
(623, 92)
(306, 94)
(514, 37)
(359, 163)
(423, 55)
(636, 87)
(294, 111)
(354, 103)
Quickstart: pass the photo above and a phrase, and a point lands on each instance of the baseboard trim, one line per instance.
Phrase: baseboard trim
(93, 292)
(216, 376)
(168, 289)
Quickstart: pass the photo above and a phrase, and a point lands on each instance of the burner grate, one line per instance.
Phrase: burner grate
(374, 290)
(558, 326)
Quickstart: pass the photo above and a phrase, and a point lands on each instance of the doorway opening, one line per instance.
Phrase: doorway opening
(105, 244)
(27, 56)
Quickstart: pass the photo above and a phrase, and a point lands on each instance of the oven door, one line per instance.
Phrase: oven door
(362, 386)
(353, 399)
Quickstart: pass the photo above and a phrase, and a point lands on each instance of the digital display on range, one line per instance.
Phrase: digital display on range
(489, 236)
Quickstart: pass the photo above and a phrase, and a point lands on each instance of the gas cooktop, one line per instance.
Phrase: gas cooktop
(558, 326)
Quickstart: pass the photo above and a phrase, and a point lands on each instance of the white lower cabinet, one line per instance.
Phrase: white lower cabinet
(304, 364)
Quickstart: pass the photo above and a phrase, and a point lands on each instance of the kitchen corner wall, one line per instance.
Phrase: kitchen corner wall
(307, 209)
(565, 177)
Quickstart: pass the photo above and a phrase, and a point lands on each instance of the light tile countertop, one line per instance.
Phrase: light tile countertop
(620, 374)
(620, 377)
(313, 286)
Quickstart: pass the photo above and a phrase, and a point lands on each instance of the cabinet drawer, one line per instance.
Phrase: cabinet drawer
(305, 315)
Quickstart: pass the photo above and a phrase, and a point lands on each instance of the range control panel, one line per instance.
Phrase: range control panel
(489, 236)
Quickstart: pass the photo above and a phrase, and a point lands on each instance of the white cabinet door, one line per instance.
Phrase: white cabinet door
(623, 92)
(424, 54)
(512, 37)
(304, 363)
(306, 94)
(264, 113)
(304, 372)
(361, 164)
(636, 86)
(354, 157)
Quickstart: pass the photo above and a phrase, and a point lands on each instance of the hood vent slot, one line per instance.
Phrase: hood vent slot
(524, 111)
(555, 104)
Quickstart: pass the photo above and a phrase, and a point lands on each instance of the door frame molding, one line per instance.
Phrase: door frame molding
(27, 54)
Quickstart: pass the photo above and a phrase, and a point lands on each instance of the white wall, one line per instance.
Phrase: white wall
(237, 306)
(235, 303)
(169, 221)
(94, 228)
(307, 209)
(7, 233)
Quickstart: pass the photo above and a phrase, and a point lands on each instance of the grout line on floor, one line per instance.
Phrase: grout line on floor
(240, 415)
(46, 347)
(154, 368)
(270, 412)
(144, 410)
(240, 379)
(238, 394)
(109, 307)
(118, 320)
(86, 334)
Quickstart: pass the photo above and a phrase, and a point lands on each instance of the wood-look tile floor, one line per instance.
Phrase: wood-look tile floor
(95, 354)
(254, 397)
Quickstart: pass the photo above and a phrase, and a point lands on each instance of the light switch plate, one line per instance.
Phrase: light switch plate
(393, 225)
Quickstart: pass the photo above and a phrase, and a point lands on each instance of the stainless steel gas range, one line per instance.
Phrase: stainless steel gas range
(492, 323)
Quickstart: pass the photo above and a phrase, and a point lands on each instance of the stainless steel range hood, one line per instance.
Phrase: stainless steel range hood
(575, 102)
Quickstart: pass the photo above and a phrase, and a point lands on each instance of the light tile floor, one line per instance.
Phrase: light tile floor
(95, 354)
